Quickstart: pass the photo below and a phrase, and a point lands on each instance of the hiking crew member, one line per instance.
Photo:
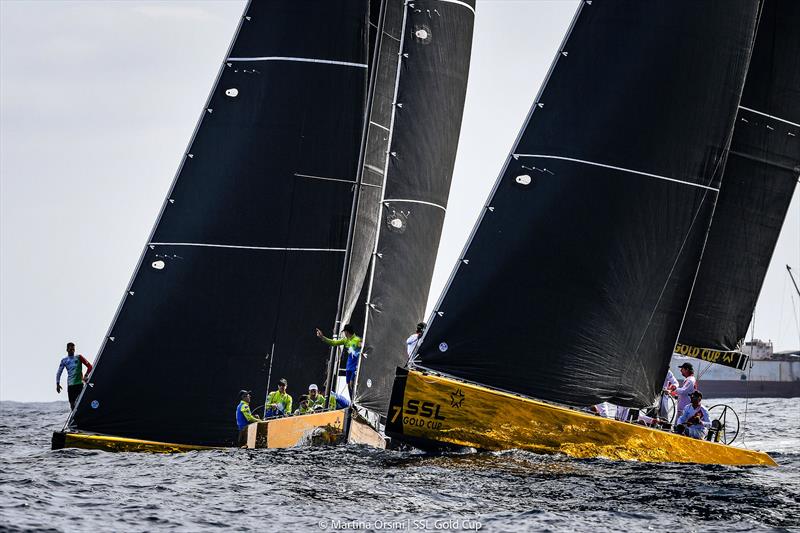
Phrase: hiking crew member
(279, 403)
(352, 344)
(75, 379)
(689, 386)
(694, 422)
(243, 415)
(316, 402)
(413, 341)
(337, 401)
(302, 407)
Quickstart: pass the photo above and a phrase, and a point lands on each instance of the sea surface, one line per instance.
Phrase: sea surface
(358, 488)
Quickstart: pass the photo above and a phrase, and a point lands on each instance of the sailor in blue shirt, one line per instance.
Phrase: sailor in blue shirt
(694, 422)
(243, 415)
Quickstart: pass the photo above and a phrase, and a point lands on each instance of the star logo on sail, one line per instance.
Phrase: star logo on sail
(456, 398)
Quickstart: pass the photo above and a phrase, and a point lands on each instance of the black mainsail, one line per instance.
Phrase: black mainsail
(573, 285)
(759, 181)
(248, 251)
(414, 125)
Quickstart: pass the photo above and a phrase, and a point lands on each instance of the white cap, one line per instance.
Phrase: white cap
(313, 387)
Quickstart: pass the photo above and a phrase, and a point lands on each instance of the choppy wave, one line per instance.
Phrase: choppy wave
(328, 489)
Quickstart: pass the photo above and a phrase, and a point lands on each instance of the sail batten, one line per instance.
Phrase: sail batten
(300, 60)
(209, 245)
(612, 167)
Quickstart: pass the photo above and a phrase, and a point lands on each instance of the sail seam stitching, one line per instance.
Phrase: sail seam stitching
(769, 116)
(238, 247)
(603, 165)
(301, 60)
(414, 202)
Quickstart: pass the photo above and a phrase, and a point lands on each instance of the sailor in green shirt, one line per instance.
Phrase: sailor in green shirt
(311, 403)
(279, 403)
(316, 401)
(352, 345)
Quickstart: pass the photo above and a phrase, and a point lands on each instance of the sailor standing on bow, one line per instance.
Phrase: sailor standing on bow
(352, 344)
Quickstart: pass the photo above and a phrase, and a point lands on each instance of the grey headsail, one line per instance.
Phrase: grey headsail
(414, 127)
(574, 283)
(248, 252)
(759, 181)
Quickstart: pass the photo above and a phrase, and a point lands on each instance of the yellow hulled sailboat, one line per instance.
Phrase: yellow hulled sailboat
(427, 409)
(637, 209)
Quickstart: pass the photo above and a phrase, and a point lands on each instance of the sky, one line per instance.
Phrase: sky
(98, 101)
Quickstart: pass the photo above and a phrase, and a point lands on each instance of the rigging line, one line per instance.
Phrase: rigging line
(370, 85)
(379, 125)
(414, 202)
(301, 60)
(669, 274)
(773, 117)
(603, 165)
(387, 157)
(274, 248)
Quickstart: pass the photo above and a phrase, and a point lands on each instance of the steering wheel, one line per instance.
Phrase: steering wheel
(727, 421)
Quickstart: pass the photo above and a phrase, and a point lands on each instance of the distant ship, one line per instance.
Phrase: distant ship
(766, 375)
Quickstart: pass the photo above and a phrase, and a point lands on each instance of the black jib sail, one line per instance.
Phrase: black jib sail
(574, 283)
(248, 252)
(759, 181)
(415, 124)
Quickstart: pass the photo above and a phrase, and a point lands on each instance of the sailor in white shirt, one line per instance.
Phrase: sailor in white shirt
(688, 387)
(601, 409)
(694, 422)
(413, 341)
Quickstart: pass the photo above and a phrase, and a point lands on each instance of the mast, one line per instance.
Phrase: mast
(249, 248)
(574, 283)
(331, 376)
(414, 128)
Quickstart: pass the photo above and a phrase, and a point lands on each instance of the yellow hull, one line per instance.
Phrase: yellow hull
(276, 433)
(120, 444)
(298, 430)
(427, 409)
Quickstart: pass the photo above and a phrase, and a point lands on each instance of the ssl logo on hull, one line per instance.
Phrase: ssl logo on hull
(420, 414)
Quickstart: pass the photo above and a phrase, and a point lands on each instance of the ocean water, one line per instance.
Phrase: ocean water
(358, 488)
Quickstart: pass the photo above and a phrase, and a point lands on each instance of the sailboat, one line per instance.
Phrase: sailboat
(314, 185)
(613, 233)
